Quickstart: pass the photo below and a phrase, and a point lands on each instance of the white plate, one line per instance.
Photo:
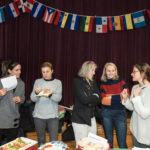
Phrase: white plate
(42, 94)
(26, 140)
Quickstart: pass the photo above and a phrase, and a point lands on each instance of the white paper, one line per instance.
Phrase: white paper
(95, 139)
(9, 82)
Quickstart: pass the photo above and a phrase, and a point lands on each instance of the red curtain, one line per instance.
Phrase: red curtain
(32, 41)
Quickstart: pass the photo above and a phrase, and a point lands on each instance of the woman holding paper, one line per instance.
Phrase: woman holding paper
(86, 95)
(9, 103)
(139, 103)
(46, 104)
(113, 112)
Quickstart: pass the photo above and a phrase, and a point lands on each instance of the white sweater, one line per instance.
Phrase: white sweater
(47, 107)
(140, 119)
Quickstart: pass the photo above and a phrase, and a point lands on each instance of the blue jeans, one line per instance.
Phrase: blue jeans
(40, 126)
(115, 119)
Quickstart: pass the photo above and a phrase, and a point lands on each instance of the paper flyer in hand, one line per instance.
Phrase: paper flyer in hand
(9, 82)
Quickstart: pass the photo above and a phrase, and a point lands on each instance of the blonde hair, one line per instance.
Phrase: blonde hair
(104, 76)
(86, 67)
(47, 64)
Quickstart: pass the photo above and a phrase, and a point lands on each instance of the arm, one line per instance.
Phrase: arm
(57, 94)
(81, 95)
(142, 104)
(19, 94)
(33, 96)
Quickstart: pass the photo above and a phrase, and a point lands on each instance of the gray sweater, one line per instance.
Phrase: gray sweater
(140, 119)
(47, 107)
(9, 110)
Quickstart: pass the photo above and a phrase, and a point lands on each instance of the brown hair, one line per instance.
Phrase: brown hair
(47, 64)
(144, 68)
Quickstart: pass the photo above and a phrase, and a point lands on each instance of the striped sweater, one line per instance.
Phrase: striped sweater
(113, 88)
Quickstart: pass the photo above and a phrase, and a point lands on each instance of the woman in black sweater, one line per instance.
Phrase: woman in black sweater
(86, 96)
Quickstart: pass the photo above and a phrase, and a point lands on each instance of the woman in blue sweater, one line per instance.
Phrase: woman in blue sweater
(46, 107)
(113, 112)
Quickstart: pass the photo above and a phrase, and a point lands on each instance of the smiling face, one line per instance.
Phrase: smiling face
(110, 72)
(47, 72)
(136, 75)
(16, 71)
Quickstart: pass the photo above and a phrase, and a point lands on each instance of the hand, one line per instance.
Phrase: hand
(3, 92)
(124, 94)
(136, 91)
(38, 90)
(16, 99)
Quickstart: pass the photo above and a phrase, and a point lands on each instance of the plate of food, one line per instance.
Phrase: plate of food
(54, 145)
(45, 92)
(20, 143)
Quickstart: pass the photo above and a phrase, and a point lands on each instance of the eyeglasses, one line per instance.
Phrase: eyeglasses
(134, 72)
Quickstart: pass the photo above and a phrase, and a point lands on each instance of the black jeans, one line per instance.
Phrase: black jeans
(9, 134)
(40, 126)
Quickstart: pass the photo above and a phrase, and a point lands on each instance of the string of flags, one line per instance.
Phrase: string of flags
(104, 24)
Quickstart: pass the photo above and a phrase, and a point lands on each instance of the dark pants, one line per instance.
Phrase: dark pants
(137, 144)
(8, 134)
(40, 125)
(115, 118)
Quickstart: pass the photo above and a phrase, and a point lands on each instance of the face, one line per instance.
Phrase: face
(16, 71)
(136, 75)
(47, 73)
(91, 74)
(110, 72)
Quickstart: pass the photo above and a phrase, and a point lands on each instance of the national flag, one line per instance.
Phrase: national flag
(122, 23)
(148, 12)
(138, 19)
(37, 10)
(62, 22)
(87, 24)
(117, 23)
(111, 23)
(58, 16)
(73, 22)
(61, 19)
(20, 5)
(101, 24)
(49, 15)
(127, 22)
(13, 10)
(28, 5)
(2, 17)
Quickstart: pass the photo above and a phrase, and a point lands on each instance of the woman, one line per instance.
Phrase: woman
(113, 112)
(139, 103)
(9, 103)
(46, 108)
(86, 96)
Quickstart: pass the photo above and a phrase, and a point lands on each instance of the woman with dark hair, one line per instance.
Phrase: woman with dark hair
(46, 107)
(10, 101)
(139, 103)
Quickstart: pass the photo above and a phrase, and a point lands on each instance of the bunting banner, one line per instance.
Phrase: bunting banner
(71, 21)
(2, 16)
